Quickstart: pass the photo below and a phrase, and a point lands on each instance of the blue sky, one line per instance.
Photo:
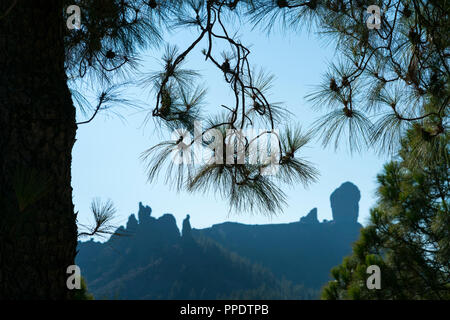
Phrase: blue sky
(106, 160)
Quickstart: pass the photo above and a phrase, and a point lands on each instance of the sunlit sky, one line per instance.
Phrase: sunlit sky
(106, 156)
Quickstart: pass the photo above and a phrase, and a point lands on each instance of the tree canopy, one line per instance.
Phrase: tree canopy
(385, 81)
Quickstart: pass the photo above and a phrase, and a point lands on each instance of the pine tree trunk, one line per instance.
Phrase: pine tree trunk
(38, 233)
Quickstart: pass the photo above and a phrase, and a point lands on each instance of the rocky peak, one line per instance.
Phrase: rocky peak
(186, 232)
(345, 203)
(132, 223)
(311, 217)
(144, 213)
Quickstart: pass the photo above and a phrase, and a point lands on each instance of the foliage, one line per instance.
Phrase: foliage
(107, 48)
(82, 294)
(103, 214)
(386, 80)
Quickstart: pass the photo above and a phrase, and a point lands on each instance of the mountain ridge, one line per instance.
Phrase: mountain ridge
(154, 260)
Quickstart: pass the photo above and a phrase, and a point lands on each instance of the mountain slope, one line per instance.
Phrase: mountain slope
(152, 261)
(303, 252)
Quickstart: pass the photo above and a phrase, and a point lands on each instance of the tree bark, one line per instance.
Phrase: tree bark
(38, 233)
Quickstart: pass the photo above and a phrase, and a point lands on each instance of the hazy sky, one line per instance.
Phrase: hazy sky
(106, 160)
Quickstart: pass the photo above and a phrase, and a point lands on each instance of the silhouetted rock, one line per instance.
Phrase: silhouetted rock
(120, 231)
(303, 252)
(186, 232)
(132, 224)
(311, 217)
(344, 203)
(168, 225)
(144, 213)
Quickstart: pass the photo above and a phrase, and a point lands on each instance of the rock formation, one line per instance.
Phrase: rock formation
(311, 217)
(144, 213)
(186, 232)
(345, 203)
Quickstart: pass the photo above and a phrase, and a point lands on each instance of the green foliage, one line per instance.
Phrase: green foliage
(408, 236)
(82, 294)
(386, 81)
(103, 214)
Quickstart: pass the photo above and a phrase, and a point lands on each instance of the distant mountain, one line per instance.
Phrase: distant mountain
(152, 260)
(303, 252)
